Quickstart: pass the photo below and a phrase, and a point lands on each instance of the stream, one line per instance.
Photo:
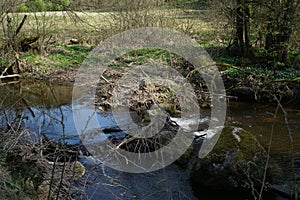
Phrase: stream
(47, 108)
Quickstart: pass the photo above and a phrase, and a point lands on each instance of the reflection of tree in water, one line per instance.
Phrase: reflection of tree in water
(26, 152)
(36, 102)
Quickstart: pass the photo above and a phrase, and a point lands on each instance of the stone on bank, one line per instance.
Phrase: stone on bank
(237, 162)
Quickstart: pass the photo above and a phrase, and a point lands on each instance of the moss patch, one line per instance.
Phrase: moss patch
(236, 163)
(233, 138)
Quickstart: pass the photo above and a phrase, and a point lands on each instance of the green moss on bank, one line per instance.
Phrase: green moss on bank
(233, 138)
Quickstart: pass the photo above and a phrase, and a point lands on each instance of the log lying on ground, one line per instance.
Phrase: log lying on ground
(11, 76)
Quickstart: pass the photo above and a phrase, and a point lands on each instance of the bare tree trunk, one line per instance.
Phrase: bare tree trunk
(242, 29)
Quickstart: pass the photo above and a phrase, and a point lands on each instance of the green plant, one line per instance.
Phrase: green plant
(143, 55)
(43, 5)
(65, 56)
(74, 58)
(12, 184)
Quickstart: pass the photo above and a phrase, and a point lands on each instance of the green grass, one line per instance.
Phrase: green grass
(73, 59)
(209, 32)
(68, 56)
(90, 25)
(143, 55)
(35, 60)
(189, 4)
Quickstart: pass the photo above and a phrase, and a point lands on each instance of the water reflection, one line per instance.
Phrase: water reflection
(259, 119)
(46, 108)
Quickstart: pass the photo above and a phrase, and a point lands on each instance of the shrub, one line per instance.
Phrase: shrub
(43, 5)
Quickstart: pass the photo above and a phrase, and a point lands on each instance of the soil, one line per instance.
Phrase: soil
(54, 74)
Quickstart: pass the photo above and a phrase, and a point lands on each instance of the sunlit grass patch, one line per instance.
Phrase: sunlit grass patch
(60, 56)
(74, 58)
(143, 55)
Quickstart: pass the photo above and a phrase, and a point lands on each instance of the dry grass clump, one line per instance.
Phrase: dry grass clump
(27, 174)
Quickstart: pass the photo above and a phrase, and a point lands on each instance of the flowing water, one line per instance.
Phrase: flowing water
(46, 107)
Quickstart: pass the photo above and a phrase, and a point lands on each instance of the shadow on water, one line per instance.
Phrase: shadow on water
(46, 107)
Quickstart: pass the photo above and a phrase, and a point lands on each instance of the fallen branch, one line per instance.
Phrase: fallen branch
(229, 66)
(107, 81)
(5, 70)
(10, 82)
(11, 76)
(295, 80)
